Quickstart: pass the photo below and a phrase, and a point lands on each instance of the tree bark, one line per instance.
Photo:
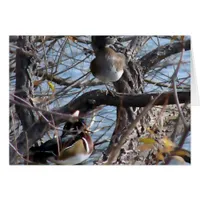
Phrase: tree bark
(23, 91)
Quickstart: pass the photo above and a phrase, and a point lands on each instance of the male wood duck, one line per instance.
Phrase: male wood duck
(108, 66)
(72, 151)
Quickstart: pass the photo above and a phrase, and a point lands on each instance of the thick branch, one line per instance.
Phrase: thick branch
(91, 100)
(162, 52)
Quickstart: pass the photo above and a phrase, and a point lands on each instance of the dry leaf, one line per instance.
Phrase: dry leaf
(159, 156)
(145, 147)
(38, 82)
(37, 100)
(168, 149)
(72, 38)
(174, 38)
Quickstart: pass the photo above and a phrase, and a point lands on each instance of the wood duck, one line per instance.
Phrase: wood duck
(108, 66)
(72, 151)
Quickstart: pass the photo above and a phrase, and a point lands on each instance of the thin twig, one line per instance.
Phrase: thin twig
(21, 156)
(174, 76)
(27, 105)
(101, 142)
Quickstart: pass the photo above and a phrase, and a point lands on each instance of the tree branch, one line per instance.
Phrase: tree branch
(91, 100)
(162, 52)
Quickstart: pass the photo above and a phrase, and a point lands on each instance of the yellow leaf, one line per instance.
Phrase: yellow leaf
(147, 140)
(168, 143)
(51, 86)
(145, 147)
